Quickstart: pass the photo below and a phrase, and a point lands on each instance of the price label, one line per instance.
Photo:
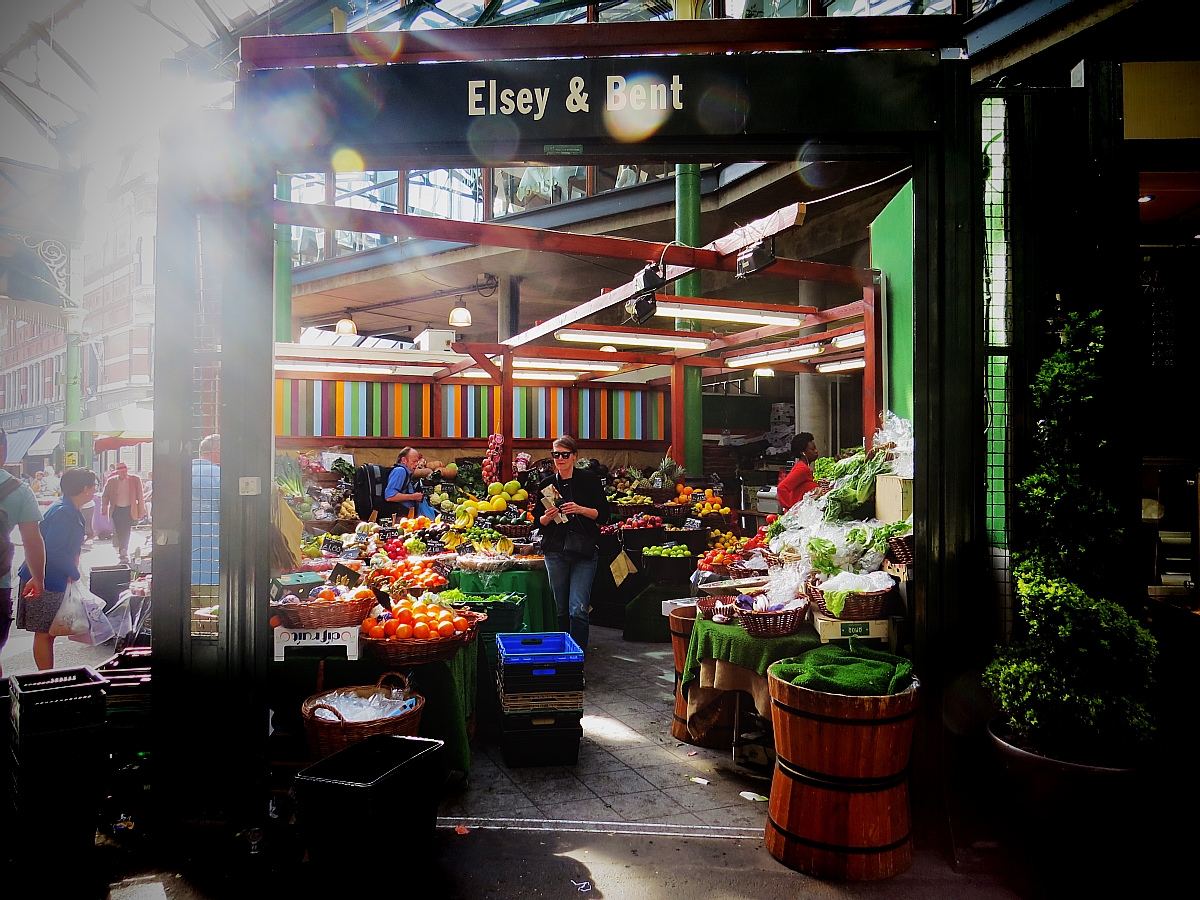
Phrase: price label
(692, 524)
(331, 544)
(344, 575)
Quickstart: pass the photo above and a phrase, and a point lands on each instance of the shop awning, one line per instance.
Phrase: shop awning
(46, 444)
(134, 421)
(19, 443)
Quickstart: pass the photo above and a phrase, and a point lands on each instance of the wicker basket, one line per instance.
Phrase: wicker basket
(672, 514)
(323, 613)
(903, 548)
(516, 531)
(625, 510)
(712, 606)
(717, 520)
(659, 495)
(858, 606)
(414, 652)
(326, 737)
(780, 623)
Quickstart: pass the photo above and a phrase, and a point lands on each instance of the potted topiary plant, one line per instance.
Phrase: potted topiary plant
(1073, 690)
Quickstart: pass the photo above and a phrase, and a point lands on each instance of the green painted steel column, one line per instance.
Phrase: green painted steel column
(75, 441)
(283, 267)
(687, 231)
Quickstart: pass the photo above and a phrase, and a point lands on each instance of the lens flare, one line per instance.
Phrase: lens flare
(347, 160)
(494, 139)
(637, 107)
(723, 110)
(376, 47)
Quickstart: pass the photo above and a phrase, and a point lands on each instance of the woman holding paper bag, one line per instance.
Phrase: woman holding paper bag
(571, 547)
(62, 531)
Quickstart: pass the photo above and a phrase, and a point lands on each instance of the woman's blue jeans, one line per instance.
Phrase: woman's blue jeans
(571, 580)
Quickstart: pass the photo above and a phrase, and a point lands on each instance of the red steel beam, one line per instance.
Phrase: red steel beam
(519, 237)
(607, 39)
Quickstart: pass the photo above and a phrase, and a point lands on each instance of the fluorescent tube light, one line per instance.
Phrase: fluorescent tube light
(855, 339)
(783, 354)
(842, 365)
(727, 314)
(526, 375)
(472, 373)
(632, 340)
(566, 365)
(764, 373)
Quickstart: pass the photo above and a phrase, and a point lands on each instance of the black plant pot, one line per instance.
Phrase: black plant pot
(1062, 821)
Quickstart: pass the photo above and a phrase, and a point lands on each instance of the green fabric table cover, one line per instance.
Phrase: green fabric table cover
(448, 687)
(730, 643)
(540, 612)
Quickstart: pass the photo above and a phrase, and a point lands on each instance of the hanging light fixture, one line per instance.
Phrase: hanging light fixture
(460, 316)
(345, 325)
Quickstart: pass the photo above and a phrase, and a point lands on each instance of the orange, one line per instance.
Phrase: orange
(274, 622)
(368, 624)
(390, 626)
(327, 594)
(433, 633)
(420, 631)
(420, 617)
(460, 624)
(446, 629)
(445, 614)
(419, 608)
(404, 615)
(377, 632)
(403, 632)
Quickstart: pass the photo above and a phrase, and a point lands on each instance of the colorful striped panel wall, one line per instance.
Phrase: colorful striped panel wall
(470, 410)
(606, 414)
(352, 408)
(539, 412)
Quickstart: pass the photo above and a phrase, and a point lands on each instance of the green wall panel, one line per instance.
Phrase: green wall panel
(892, 253)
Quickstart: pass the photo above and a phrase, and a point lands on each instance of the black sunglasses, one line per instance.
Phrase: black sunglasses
(558, 454)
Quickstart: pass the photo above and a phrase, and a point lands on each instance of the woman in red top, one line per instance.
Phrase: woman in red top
(799, 481)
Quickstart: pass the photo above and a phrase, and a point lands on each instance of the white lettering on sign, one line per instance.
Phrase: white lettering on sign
(525, 101)
(620, 94)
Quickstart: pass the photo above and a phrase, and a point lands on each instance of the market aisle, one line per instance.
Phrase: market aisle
(630, 769)
(17, 656)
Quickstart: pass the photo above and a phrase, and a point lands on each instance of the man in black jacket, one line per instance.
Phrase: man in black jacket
(572, 548)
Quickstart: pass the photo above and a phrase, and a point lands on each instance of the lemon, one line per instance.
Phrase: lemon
(499, 504)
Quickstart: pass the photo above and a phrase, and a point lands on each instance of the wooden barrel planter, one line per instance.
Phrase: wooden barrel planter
(839, 796)
(718, 735)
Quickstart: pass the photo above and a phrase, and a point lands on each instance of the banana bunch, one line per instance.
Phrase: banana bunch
(464, 518)
(346, 510)
(452, 539)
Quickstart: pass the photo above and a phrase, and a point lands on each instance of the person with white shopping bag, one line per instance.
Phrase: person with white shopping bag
(62, 531)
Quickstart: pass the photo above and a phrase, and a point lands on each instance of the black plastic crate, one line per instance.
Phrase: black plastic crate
(502, 615)
(129, 658)
(107, 582)
(386, 784)
(57, 700)
(541, 720)
(542, 680)
(549, 746)
(489, 645)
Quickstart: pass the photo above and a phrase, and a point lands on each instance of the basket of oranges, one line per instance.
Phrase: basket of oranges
(330, 606)
(413, 632)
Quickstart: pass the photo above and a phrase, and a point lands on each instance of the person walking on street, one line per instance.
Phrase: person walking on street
(18, 507)
(123, 502)
(572, 547)
(62, 532)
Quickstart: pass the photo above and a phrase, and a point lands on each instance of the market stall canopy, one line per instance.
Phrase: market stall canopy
(19, 443)
(132, 422)
(46, 444)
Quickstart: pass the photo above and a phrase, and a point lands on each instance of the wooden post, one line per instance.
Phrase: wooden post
(435, 410)
(678, 415)
(872, 387)
(488, 175)
(571, 413)
(506, 415)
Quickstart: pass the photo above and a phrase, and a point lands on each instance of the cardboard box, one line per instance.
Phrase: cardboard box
(893, 498)
(842, 629)
(298, 583)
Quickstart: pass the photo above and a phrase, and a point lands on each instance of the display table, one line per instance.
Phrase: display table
(448, 687)
(724, 658)
(540, 612)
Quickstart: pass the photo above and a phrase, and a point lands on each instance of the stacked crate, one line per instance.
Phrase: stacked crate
(129, 728)
(57, 757)
(540, 681)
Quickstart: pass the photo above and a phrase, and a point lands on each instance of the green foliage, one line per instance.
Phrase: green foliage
(1077, 686)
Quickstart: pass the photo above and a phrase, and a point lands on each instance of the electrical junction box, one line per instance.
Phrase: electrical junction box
(435, 340)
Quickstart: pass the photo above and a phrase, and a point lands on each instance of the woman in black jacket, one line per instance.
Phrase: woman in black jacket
(572, 548)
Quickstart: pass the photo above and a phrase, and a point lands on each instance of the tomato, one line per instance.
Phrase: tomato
(377, 632)
(420, 630)
(404, 632)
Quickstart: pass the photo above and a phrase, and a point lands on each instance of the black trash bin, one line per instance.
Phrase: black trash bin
(107, 582)
(384, 785)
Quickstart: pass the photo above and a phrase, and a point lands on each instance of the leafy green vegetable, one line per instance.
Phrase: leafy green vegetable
(835, 601)
(342, 468)
(775, 528)
(288, 475)
(821, 551)
(824, 467)
(857, 488)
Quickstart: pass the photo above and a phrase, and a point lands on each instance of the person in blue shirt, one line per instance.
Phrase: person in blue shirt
(206, 516)
(62, 532)
(400, 488)
(19, 509)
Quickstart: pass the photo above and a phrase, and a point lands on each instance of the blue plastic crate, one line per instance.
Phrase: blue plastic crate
(538, 647)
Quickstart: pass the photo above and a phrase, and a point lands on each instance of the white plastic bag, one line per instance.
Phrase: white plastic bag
(72, 617)
(99, 627)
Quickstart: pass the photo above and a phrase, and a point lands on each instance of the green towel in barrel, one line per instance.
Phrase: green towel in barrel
(860, 670)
